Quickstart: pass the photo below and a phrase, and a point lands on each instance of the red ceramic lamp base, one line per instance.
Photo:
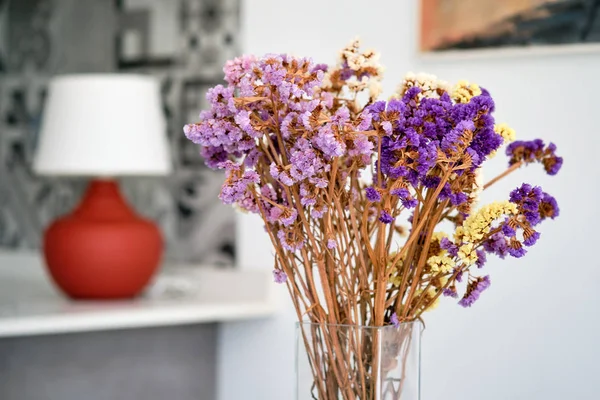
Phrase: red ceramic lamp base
(103, 250)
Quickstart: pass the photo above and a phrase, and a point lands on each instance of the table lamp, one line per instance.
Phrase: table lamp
(103, 127)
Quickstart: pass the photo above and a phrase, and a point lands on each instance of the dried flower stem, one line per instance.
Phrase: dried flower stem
(510, 169)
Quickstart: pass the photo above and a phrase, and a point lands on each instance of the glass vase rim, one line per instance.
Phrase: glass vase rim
(355, 326)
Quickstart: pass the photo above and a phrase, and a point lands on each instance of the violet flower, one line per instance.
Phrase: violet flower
(535, 150)
(450, 292)
(373, 194)
(394, 320)
(474, 290)
(279, 276)
(385, 217)
(450, 247)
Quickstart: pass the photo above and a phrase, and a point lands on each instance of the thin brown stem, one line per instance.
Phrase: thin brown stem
(511, 169)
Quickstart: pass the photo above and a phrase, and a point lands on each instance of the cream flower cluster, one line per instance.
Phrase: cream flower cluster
(477, 188)
(431, 293)
(479, 224)
(357, 61)
(441, 263)
(463, 91)
(438, 236)
(429, 84)
(507, 133)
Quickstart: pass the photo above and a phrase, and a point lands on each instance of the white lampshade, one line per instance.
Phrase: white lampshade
(103, 125)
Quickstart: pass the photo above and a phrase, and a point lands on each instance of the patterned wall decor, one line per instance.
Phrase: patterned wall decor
(182, 42)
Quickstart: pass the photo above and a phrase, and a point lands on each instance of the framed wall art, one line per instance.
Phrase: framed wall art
(459, 25)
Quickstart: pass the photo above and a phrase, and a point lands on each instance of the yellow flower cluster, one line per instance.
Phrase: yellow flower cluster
(467, 254)
(442, 263)
(477, 225)
(434, 305)
(438, 236)
(507, 133)
(463, 91)
(459, 233)
(431, 292)
(395, 279)
(442, 281)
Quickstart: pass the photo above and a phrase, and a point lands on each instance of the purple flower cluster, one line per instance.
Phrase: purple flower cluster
(451, 248)
(450, 142)
(289, 240)
(535, 204)
(288, 216)
(307, 164)
(416, 129)
(235, 188)
(394, 320)
(273, 99)
(474, 290)
(548, 207)
(237, 69)
(501, 245)
(227, 130)
(279, 276)
(362, 148)
(450, 292)
(531, 238)
(459, 275)
(496, 244)
(528, 199)
(516, 249)
(318, 211)
(218, 133)
(373, 194)
(273, 213)
(456, 198)
(386, 217)
(535, 150)
(481, 258)
(515, 233)
(407, 200)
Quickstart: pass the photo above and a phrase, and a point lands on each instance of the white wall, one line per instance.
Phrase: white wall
(533, 333)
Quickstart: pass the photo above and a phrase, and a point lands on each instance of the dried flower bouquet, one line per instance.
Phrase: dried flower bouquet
(334, 173)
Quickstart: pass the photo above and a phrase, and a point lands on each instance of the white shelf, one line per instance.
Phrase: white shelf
(30, 305)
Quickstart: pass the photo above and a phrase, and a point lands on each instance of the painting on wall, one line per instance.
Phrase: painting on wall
(183, 43)
(487, 24)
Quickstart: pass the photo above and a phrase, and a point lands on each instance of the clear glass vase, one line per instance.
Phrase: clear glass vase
(349, 362)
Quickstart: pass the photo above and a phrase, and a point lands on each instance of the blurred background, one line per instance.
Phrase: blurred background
(183, 43)
(533, 335)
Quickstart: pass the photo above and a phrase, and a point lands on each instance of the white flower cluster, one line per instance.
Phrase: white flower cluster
(477, 187)
(430, 84)
(366, 63)
(357, 61)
